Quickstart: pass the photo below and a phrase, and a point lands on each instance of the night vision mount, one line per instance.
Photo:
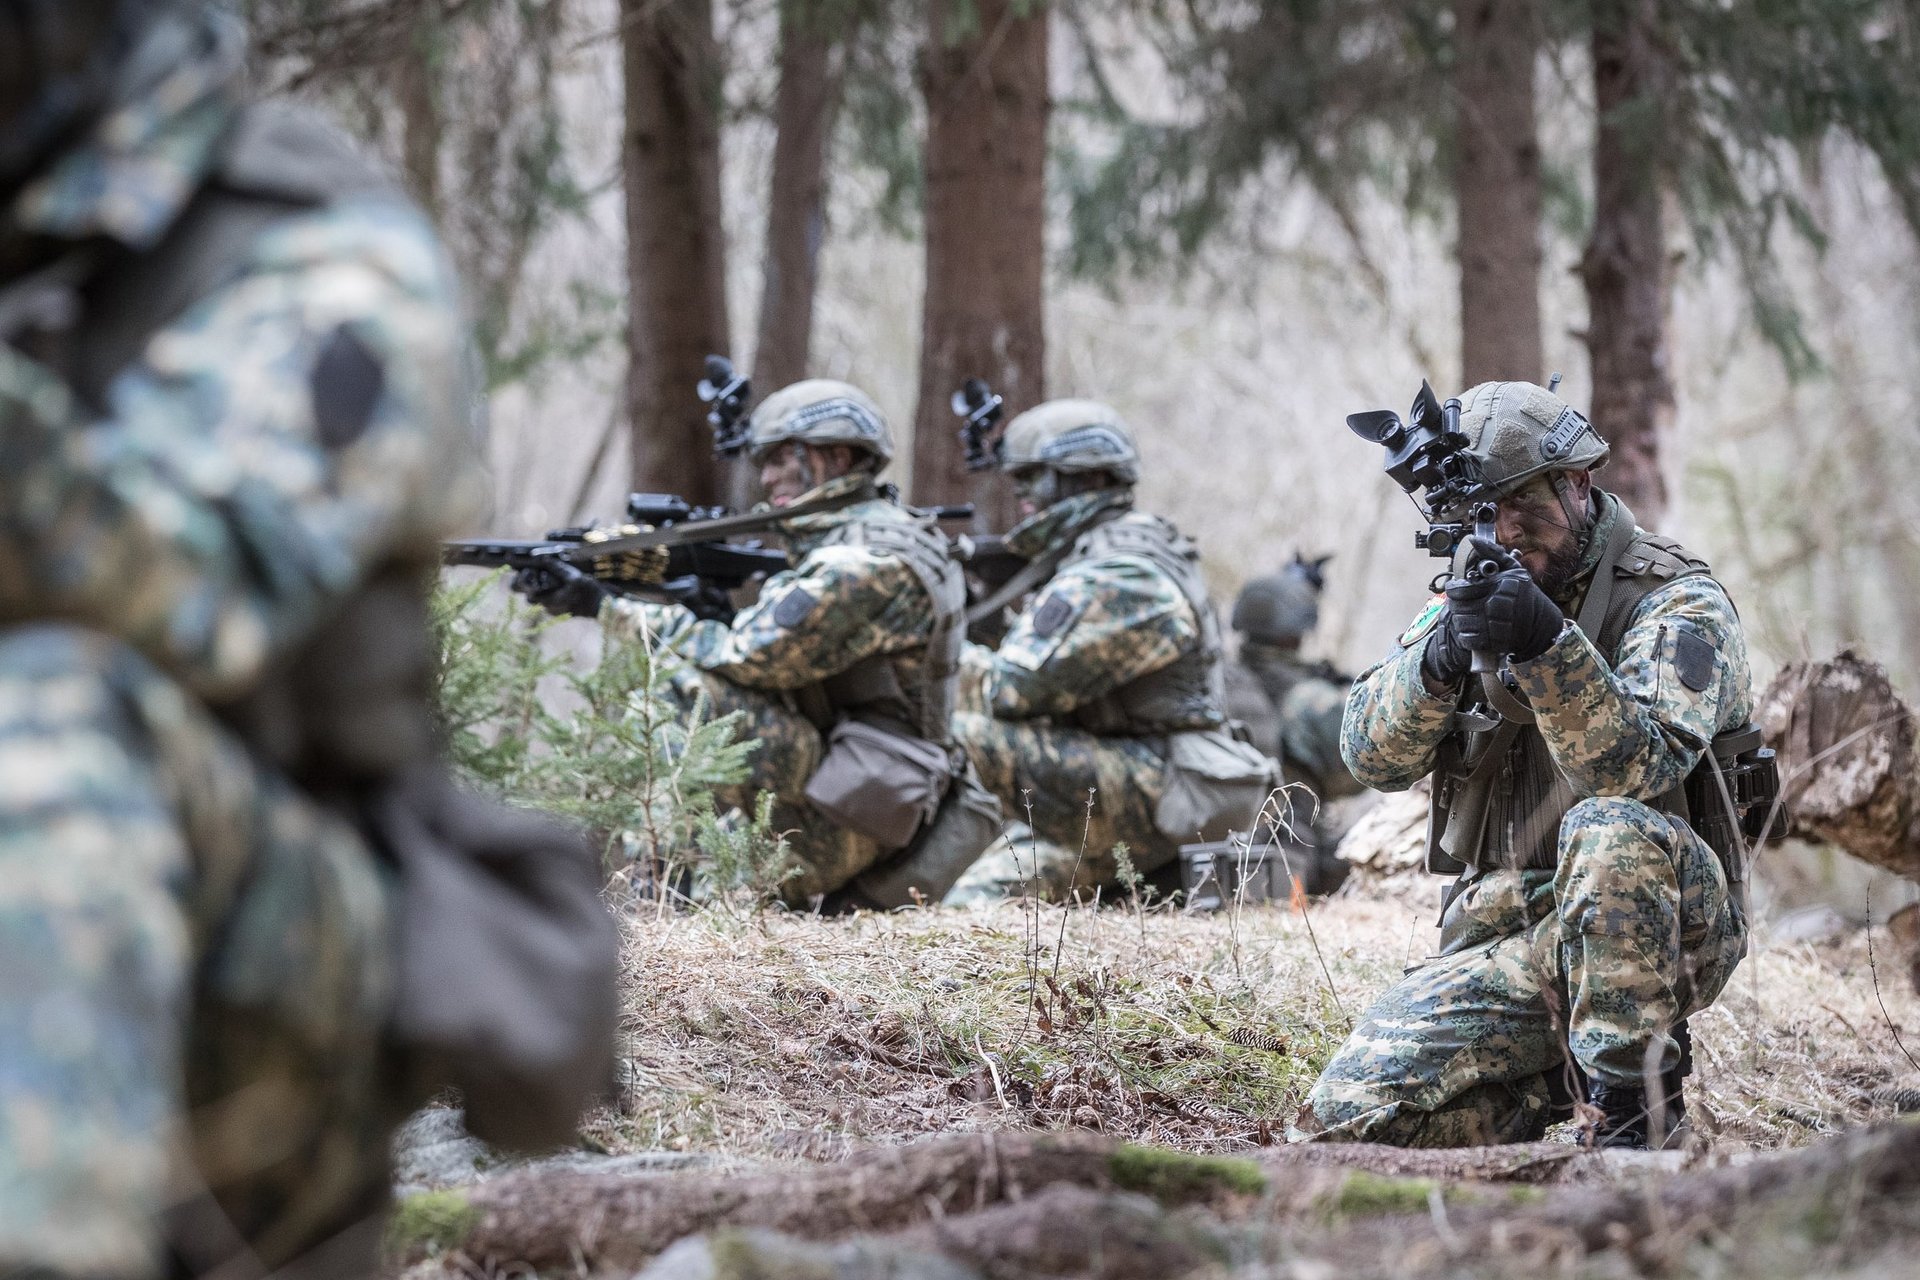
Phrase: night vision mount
(1429, 453)
(979, 411)
(729, 392)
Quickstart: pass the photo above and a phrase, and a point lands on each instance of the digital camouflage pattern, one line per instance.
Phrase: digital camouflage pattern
(1633, 930)
(1631, 933)
(1087, 793)
(1094, 627)
(195, 962)
(837, 606)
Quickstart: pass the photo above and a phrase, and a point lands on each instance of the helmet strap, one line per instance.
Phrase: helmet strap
(1579, 515)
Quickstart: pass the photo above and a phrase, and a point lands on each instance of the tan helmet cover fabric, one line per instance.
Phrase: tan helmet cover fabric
(1520, 430)
(820, 411)
(1072, 435)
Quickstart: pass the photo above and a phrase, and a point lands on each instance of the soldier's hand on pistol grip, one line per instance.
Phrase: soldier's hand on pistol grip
(1504, 612)
(1446, 659)
(561, 589)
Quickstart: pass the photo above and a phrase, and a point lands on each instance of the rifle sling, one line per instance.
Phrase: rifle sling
(716, 529)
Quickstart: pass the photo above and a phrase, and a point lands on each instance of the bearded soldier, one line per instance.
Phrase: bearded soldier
(1293, 707)
(1591, 917)
(844, 668)
(1101, 712)
(231, 413)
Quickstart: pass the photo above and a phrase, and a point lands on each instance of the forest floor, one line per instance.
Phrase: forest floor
(1032, 1090)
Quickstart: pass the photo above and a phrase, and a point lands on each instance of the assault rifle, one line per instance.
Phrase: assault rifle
(668, 548)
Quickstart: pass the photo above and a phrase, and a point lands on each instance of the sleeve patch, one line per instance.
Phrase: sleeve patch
(347, 382)
(793, 608)
(1051, 616)
(1429, 616)
(1693, 656)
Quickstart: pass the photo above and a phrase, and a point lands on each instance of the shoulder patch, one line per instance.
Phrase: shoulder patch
(1429, 617)
(1051, 615)
(1693, 656)
(347, 383)
(793, 608)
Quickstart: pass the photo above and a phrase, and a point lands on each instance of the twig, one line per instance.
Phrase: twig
(1874, 969)
(1073, 879)
(1275, 822)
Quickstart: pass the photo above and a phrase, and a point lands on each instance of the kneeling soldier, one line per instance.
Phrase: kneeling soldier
(1109, 683)
(1591, 917)
(844, 668)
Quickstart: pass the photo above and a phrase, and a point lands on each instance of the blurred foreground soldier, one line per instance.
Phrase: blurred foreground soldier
(1293, 707)
(242, 916)
(844, 668)
(1591, 917)
(1108, 686)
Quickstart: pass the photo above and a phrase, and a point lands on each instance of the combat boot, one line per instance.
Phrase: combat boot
(1629, 1121)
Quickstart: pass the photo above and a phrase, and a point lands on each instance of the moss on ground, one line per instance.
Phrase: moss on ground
(1175, 1177)
(429, 1222)
(1369, 1195)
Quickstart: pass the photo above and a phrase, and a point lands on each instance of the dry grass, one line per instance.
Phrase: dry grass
(790, 1037)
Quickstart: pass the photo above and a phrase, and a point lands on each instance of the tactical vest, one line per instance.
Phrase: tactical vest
(913, 688)
(352, 705)
(1498, 797)
(1188, 693)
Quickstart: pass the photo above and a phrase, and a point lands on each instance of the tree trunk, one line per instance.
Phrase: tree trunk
(1625, 266)
(804, 111)
(1847, 764)
(420, 121)
(1497, 181)
(985, 169)
(676, 250)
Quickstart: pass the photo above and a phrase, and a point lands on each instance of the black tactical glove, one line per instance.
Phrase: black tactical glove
(1505, 612)
(1445, 659)
(561, 589)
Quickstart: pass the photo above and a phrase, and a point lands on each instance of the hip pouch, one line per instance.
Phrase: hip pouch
(507, 958)
(1214, 784)
(881, 784)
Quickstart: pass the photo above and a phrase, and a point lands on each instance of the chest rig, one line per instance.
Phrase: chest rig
(911, 690)
(1498, 797)
(1188, 693)
(352, 704)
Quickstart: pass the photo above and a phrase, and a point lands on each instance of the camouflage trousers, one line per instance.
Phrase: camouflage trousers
(195, 976)
(1054, 771)
(1633, 931)
(826, 856)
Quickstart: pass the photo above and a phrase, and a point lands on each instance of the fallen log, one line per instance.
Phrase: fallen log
(1845, 741)
(549, 1219)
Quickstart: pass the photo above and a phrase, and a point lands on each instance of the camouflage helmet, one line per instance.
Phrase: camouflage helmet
(1280, 608)
(1520, 430)
(821, 412)
(1071, 436)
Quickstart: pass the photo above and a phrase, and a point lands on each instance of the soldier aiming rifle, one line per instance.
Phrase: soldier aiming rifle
(844, 667)
(1578, 690)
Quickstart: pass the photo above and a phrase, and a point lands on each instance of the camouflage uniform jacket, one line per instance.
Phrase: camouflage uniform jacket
(1633, 722)
(869, 620)
(214, 504)
(1121, 639)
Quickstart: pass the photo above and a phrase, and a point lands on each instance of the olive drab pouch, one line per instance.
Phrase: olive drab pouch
(968, 821)
(883, 784)
(1214, 784)
(507, 958)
